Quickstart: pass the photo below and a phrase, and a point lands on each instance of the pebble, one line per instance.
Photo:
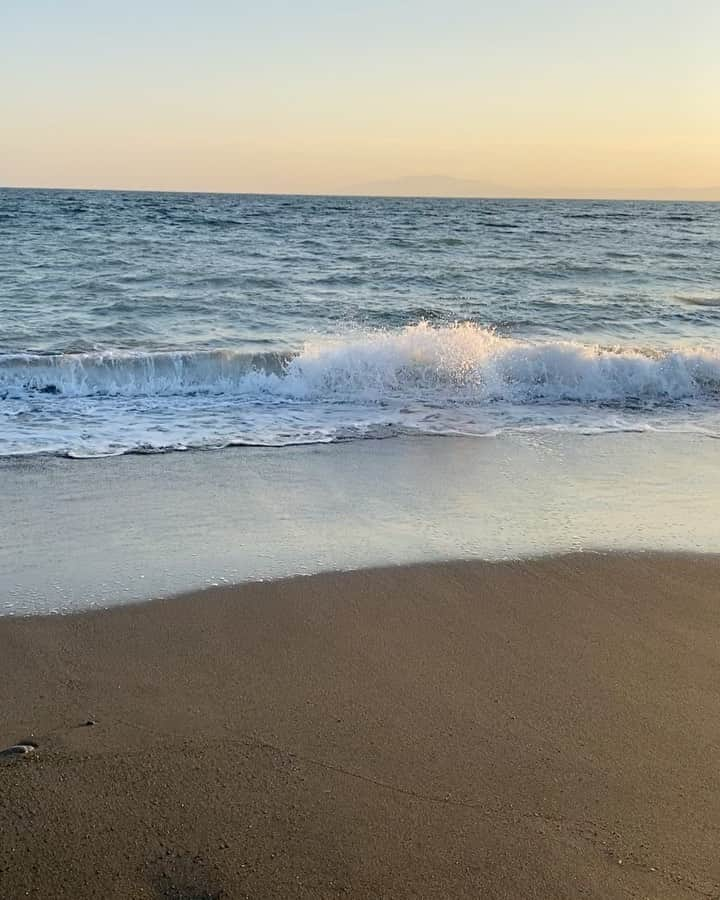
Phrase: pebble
(20, 749)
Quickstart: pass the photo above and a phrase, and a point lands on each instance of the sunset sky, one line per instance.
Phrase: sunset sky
(516, 98)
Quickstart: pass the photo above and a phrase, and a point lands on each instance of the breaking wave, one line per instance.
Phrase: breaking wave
(460, 364)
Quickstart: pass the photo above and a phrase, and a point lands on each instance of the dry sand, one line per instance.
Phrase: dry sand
(544, 729)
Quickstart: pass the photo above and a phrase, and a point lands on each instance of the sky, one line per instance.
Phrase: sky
(513, 98)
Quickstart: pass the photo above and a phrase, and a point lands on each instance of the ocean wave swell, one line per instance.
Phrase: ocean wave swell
(462, 363)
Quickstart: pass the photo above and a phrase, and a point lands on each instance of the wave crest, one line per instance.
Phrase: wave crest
(458, 363)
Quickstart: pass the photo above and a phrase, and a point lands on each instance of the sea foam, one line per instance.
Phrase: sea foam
(462, 363)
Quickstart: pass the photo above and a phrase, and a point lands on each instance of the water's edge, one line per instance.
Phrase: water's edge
(132, 528)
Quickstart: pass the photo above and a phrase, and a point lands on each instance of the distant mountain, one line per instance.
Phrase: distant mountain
(430, 186)
(709, 193)
(447, 186)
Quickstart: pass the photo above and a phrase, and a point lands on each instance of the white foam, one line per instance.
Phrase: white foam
(460, 379)
(460, 362)
(468, 363)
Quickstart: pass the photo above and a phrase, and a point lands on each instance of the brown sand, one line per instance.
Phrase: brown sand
(546, 729)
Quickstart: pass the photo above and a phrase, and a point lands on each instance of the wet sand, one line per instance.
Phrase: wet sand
(545, 729)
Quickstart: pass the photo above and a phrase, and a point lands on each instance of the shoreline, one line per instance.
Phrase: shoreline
(223, 589)
(529, 728)
(158, 525)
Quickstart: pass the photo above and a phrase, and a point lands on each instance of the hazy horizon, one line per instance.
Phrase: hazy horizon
(543, 99)
(408, 187)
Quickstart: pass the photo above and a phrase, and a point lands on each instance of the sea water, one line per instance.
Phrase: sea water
(141, 322)
(544, 376)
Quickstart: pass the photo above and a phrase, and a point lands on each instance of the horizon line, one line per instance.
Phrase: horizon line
(369, 196)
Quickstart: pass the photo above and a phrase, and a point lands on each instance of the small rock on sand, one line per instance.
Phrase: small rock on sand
(20, 749)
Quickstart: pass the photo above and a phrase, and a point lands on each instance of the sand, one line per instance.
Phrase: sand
(545, 729)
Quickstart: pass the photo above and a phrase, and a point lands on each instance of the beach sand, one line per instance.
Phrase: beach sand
(538, 729)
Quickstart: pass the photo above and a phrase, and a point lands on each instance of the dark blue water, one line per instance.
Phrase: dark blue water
(140, 321)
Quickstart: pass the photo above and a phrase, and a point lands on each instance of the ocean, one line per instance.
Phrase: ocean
(150, 322)
(381, 381)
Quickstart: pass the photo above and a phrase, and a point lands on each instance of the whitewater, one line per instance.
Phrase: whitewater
(459, 379)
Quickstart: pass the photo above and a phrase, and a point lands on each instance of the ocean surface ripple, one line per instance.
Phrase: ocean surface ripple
(134, 322)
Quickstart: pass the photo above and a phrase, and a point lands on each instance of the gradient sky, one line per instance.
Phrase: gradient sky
(582, 98)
